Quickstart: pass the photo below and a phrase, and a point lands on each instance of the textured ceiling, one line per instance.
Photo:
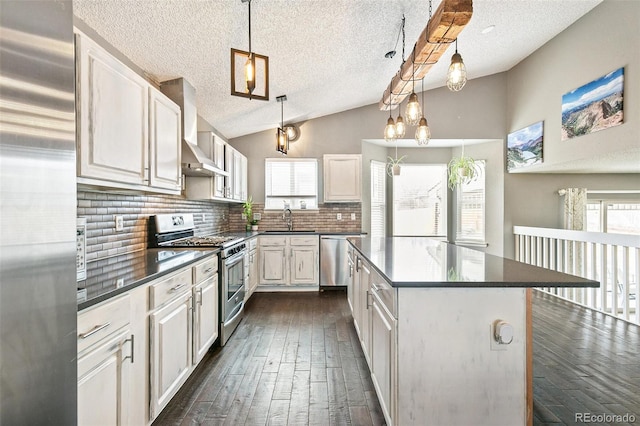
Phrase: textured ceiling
(327, 56)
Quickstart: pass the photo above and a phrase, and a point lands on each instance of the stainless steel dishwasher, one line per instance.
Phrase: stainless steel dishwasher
(334, 268)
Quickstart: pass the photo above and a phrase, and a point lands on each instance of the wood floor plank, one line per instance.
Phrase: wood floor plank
(259, 411)
(279, 412)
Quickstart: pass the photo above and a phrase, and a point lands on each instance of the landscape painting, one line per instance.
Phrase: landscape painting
(594, 106)
(524, 147)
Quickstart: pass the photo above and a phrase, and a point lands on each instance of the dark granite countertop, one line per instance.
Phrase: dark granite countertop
(425, 262)
(112, 276)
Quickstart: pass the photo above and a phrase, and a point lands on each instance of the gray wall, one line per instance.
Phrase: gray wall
(606, 38)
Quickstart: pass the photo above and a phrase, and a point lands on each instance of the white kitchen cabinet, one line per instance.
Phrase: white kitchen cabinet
(254, 272)
(350, 284)
(236, 182)
(288, 261)
(105, 358)
(273, 260)
(364, 308)
(127, 132)
(164, 142)
(103, 382)
(205, 307)
(170, 339)
(303, 265)
(342, 178)
(113, 117)
(214, 147)
(383, 352)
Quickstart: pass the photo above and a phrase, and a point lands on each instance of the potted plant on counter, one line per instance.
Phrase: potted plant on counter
(247, 210)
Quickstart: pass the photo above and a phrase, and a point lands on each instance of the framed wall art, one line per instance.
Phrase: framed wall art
(524, 146)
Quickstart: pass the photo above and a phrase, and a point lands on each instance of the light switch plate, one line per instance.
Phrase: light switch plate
(353, 216)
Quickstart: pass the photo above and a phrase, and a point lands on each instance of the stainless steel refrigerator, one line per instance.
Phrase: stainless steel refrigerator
(38, 307)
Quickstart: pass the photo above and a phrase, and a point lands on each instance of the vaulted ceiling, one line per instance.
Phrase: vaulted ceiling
(327, 56)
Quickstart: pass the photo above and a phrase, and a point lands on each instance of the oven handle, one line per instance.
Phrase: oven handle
(239, 309)
(235, 258)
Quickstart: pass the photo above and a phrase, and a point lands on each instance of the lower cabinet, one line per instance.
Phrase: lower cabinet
(289, 260)
(103, 382)
(136, 350)
(105, 363)
(171, 345)
(373, 311)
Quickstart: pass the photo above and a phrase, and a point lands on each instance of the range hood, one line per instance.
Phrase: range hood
(194, 161)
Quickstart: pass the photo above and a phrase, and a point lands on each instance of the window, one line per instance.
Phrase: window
(291, 183)
(378, 199)
(470, 209)
(619, 217)
(420, 201)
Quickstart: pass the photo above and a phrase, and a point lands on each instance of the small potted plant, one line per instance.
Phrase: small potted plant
(247, 209)
(461, 171)
(393, 166)
(254, 224)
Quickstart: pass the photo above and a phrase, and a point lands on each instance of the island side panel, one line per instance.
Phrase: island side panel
(447, 370)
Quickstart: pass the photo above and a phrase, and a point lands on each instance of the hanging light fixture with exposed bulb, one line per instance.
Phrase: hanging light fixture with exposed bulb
(253, 71)
(400, 126)
(457, 74)
(413, 111)
(390, 128)
(423, 133)
(282, 138)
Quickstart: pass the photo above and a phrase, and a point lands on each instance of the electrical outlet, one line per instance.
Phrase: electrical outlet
(339, 216)
(353, 216)
(244, 216)
(119, 282)
(119, 223)
(203, 216)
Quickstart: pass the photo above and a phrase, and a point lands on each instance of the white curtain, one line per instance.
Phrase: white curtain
(575, 209)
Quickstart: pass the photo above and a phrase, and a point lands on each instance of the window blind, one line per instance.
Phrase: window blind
(378, 199)
(292, 182)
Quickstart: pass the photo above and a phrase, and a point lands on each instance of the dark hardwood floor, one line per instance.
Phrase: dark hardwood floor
(583, 362)
(295, 359)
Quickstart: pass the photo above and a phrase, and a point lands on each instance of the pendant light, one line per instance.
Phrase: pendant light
(254, 73)
(413, 107)
(282, 138)
(457, 74)
(400, 126)
(390, 128)
(423, 133)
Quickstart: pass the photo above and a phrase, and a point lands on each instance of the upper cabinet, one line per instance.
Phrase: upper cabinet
(128, 133)
(342, 178)
(164, 138)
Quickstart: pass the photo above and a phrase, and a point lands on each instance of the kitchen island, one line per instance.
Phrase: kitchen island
(446, 330)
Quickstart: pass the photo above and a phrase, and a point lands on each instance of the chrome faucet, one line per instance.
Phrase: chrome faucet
(287, 217)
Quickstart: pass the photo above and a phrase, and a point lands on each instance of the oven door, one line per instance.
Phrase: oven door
(233, 284)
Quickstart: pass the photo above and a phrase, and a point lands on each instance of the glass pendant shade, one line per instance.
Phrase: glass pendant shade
(457, 74)
(250, 73)
(390, 131)
(400, 127)
(413, 111)
(423, 133)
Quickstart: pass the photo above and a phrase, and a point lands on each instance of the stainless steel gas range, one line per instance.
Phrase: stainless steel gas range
(178, 230)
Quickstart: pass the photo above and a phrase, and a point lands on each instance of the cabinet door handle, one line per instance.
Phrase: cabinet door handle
(131, 339)
(368, 299)
(179, 286)
(94, 330)
(357, 264)
(200, 293)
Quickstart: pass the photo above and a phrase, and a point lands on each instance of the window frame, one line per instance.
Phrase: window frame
(293, 196)
(381, 167)
(460, 191)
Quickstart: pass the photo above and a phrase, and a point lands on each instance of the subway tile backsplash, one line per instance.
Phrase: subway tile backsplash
(322, 220)
(100, 209)
(103, 241)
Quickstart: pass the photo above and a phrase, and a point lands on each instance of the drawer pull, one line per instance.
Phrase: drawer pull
(132, 346)
(206, 271)
(94, 330)
(179, 286)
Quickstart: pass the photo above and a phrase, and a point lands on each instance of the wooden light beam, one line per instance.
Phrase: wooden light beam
(442, 29)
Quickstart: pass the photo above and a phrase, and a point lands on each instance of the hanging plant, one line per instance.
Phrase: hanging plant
(393, 166)
(462, 171)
